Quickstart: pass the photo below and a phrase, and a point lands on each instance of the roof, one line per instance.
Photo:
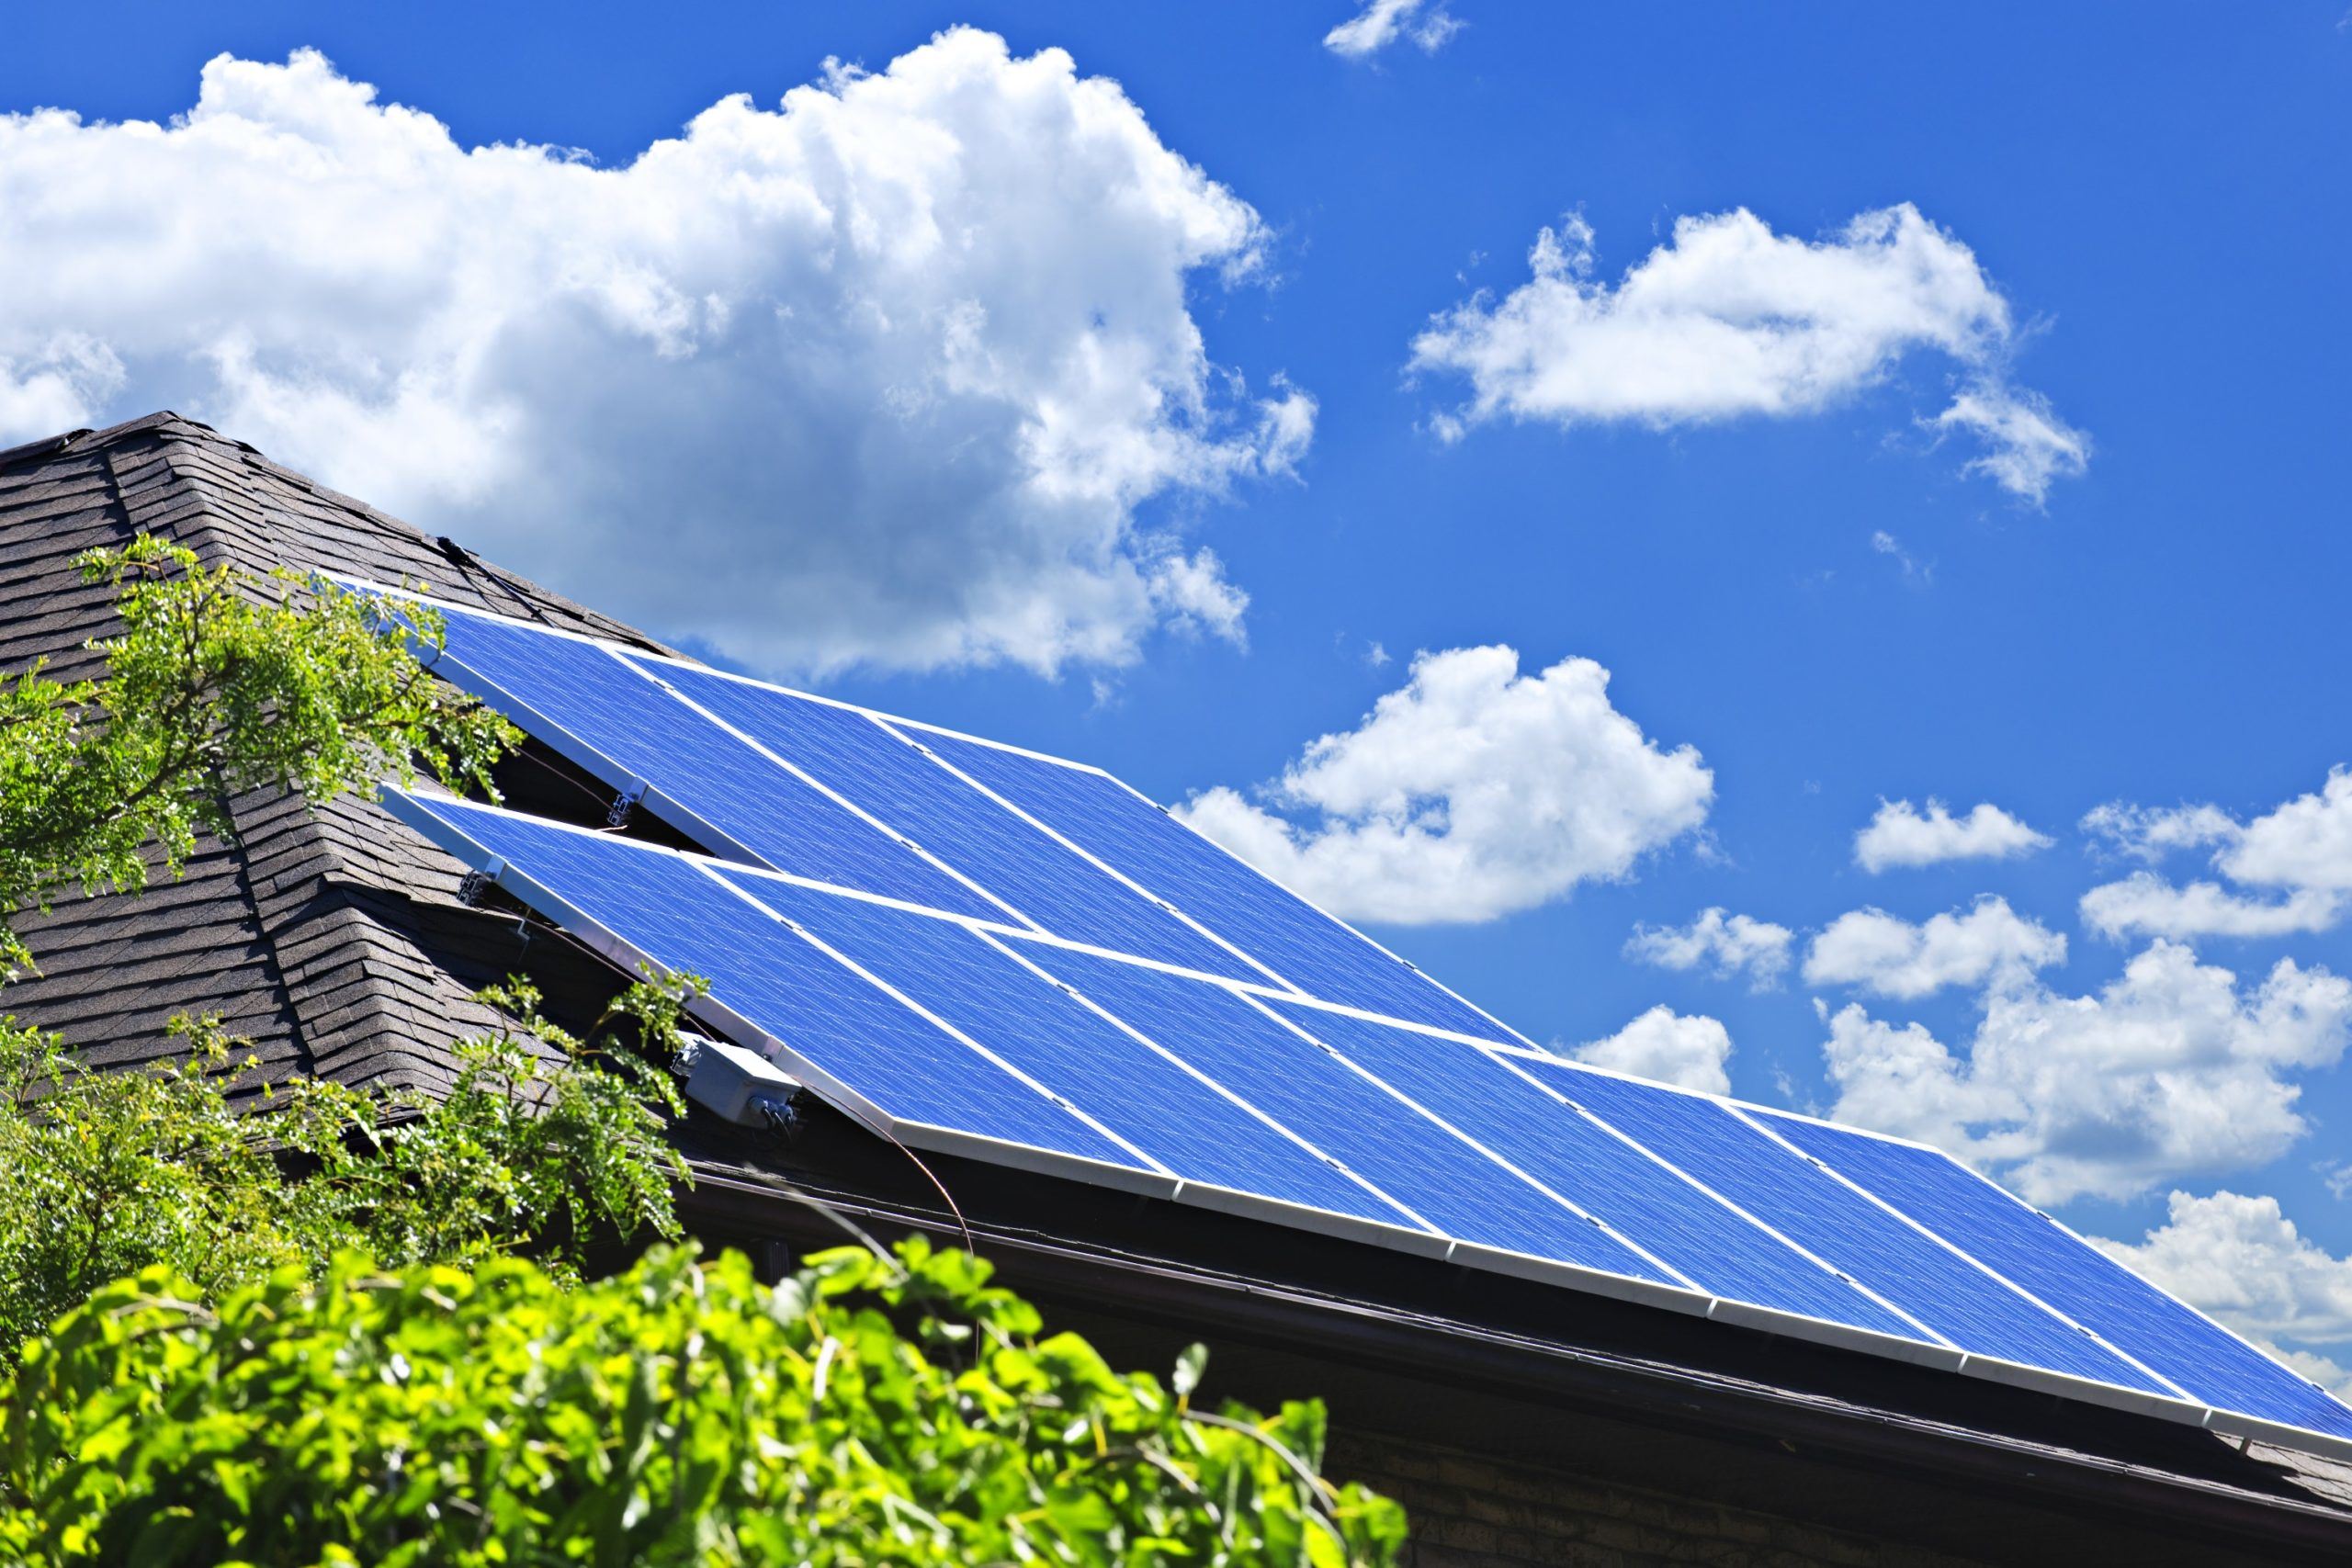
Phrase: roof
(333, 940)
(336, 941)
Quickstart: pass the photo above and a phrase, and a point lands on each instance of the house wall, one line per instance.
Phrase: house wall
(1472, 1512)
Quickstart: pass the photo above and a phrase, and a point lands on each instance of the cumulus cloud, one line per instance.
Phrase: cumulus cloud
(1729, 320)
(2144, 903)
(2305, 843)
(889, 373)
(2243, 1260)
(1728, 945)
(1667, 1048)
(2171, 1071)
(1903, 835)
(2303, 849)
(1423, 23)
(1888, 955)
(1472, 792)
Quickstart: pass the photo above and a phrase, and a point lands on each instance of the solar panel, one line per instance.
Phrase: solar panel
(1449, 1182)
(979, 949)
(1966, 1306)
(587, 704)
(778, 779)
(1042, 879)
(886, 1063)
(1695, 1232)
(1153, 1101)
(1308, 948)
(2209, 1363)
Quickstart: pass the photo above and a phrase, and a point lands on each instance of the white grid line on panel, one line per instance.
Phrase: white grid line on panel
(1235, 1097)
(778, 761)
(1658, 1159)
(933, 1019)
(1410, 1103)
(1987, 1270)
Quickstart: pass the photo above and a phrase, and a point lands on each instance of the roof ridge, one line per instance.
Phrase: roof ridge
(357, 941)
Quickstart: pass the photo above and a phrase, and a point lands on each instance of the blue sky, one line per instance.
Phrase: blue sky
(2139, 228)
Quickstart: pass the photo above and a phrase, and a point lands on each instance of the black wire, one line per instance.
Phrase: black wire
(463, 560)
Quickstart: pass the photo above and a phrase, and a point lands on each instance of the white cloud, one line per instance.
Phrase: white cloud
(2305, 843)
(1472, 792)
(2171, 1071)
(1914, 571)
(1383, 22)
(1888, 955)
(2144, 903)
(2243, 1260)
(881, 375)
(2151, 833)
(1728, 945)
(2027, 445)
(1902, 835)
(2303, 848)
(1730, 319)
(1667, 1048)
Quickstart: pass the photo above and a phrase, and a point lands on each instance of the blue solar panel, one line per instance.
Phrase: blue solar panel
(1056, 888)
(636, 728)
(2209, 1363)
(1450, 1184)
(684, 920)
(1722, 1253)
(1139, 1094)
(1942, 1289)
(1039, 1071)
(1305, 946)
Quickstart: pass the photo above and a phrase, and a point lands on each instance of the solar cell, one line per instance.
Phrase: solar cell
(1454, 1186)
(582, 700)
(1306, 947)
(888, 775)
(881, 1052)
(1030, 1022)
(2019, 1242)
(1705, 1239)
(1938, 1287)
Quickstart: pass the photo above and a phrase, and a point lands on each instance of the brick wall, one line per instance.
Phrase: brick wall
(1474, 1513)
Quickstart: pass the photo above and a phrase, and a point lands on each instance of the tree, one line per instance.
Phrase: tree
(221, 682)
(544, 1147)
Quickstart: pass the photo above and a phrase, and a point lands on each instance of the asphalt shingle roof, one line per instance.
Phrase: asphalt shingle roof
(333, 940)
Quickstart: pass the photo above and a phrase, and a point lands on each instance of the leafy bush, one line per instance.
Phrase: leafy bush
(104, 1172)
(870, 1411)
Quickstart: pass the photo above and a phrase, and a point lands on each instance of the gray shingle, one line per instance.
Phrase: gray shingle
(331, 939)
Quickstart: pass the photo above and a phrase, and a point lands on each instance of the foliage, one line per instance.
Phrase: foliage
(867, 1411)
(105, 1172)
(220, 682)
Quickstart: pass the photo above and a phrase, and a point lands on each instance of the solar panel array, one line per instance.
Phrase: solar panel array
(977, 949)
